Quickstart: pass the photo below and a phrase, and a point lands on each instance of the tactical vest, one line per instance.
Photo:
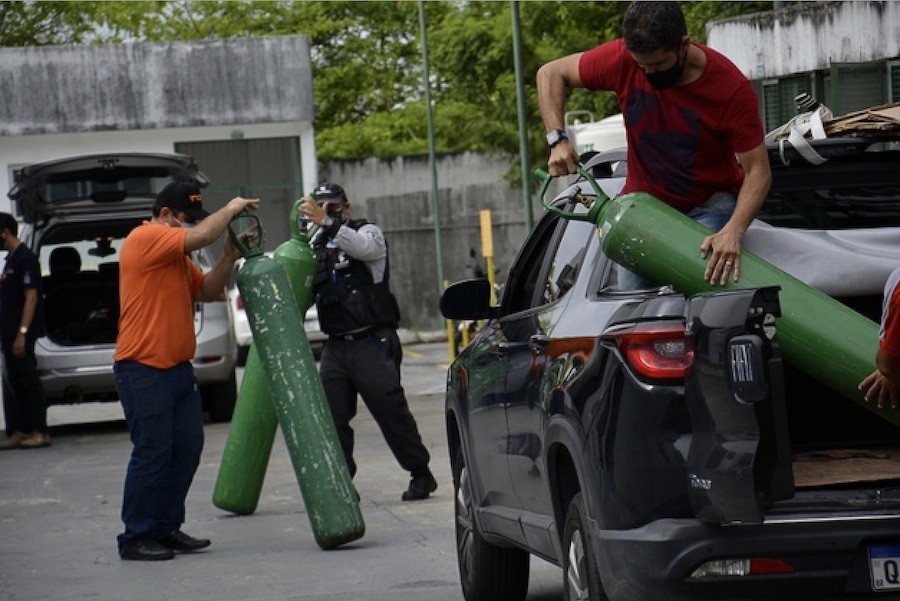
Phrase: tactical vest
(347, 298)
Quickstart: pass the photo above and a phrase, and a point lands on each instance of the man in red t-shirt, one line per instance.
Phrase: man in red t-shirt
(883, 383)
(695, 137)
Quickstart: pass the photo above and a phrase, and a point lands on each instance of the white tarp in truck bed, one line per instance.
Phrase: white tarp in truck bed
(854, 262)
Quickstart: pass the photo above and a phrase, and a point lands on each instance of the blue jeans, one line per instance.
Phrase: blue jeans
(714, 214)
(165, 418)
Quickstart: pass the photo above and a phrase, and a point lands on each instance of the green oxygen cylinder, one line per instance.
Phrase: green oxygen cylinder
(297, 395)
(253, 424)
(817, 334)
(249, 443)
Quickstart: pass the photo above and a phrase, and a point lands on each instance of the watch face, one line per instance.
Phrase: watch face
(555, 137)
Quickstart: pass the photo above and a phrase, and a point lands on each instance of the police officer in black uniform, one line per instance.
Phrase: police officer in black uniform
(360, 315)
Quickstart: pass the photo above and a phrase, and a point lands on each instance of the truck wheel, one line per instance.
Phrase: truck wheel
(219, 399)
(486, 572)
(580, 579)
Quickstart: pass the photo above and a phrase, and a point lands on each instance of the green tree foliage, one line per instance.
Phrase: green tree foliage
(367, 61)
(32, 23)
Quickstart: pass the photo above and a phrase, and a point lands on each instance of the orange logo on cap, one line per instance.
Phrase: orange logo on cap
(195, 197)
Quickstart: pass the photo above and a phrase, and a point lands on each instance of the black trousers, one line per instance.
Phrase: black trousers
(24, 402)
(370, 367)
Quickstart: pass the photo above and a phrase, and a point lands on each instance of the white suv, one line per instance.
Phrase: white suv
(77, 211)
(244, 336)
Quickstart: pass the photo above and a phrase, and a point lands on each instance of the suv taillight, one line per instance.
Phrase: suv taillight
(655, 351)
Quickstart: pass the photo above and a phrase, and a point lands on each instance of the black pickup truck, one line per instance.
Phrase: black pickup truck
(573, 417)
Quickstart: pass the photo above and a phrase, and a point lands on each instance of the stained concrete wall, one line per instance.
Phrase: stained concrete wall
(395, 194)
(808, 36)
(58, 89)
(61, 101)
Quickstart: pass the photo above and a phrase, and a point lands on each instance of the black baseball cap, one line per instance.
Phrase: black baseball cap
(327, 192)
(184, 197)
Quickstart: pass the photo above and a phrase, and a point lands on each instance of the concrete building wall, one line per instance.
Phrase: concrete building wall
(395, 194)
(808, 36)
(66, 100)
(58, 89)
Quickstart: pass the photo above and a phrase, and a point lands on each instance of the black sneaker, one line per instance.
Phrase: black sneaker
(179, 541)
(420, 487)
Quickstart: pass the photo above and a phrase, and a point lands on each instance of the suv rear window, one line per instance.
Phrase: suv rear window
(102, 185)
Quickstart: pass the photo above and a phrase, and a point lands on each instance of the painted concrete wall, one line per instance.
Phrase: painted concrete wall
(395, 194)
(61, 101)
(808, 36)
(58, 89)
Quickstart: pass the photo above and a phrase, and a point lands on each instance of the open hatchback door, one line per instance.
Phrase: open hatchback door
(98, 183)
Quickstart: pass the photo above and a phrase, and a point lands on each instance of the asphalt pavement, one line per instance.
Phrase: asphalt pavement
(59, 515)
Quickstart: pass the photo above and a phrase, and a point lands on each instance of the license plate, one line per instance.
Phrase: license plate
(884, 565)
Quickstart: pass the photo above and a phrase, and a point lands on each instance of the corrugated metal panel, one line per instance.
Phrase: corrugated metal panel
(779, 96)
(147, 86)
(856, 86)
(265, 168)
(771, 112)
(893, 81)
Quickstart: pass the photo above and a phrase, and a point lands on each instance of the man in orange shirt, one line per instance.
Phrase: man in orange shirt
(158, 285)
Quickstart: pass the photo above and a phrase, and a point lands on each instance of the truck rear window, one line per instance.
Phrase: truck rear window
(846, 192)
(834, 209)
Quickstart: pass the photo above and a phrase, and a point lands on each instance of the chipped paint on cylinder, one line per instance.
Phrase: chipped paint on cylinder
(253, 424)
(299, 402)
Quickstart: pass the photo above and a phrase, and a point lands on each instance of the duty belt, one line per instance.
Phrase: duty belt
(354, 335)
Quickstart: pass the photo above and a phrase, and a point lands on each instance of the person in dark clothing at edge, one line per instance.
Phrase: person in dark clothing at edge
(21, 324)
(360, 315)
(695, 136)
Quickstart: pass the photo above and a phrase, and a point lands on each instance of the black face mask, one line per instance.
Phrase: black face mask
(666, 79)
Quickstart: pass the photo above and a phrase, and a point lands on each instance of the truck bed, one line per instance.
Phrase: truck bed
(845, 466)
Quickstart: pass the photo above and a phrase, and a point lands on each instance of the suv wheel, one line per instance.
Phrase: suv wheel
(219, 399)
(581, 581)
(487, 572)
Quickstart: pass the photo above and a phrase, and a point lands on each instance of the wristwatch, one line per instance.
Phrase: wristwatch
(555, 137)
(23, 329)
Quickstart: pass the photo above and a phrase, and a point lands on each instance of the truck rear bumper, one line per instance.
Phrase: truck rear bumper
(656, 562)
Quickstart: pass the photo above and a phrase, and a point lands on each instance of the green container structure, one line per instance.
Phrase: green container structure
(253, 424)
(298, 398)
(817, 334)
(249, 444)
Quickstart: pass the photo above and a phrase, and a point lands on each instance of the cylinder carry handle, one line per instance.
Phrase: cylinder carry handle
(301, 227)
(246, 233)
(575, 195)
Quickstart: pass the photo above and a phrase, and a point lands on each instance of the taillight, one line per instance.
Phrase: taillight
(755, 566)
(655, 351)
